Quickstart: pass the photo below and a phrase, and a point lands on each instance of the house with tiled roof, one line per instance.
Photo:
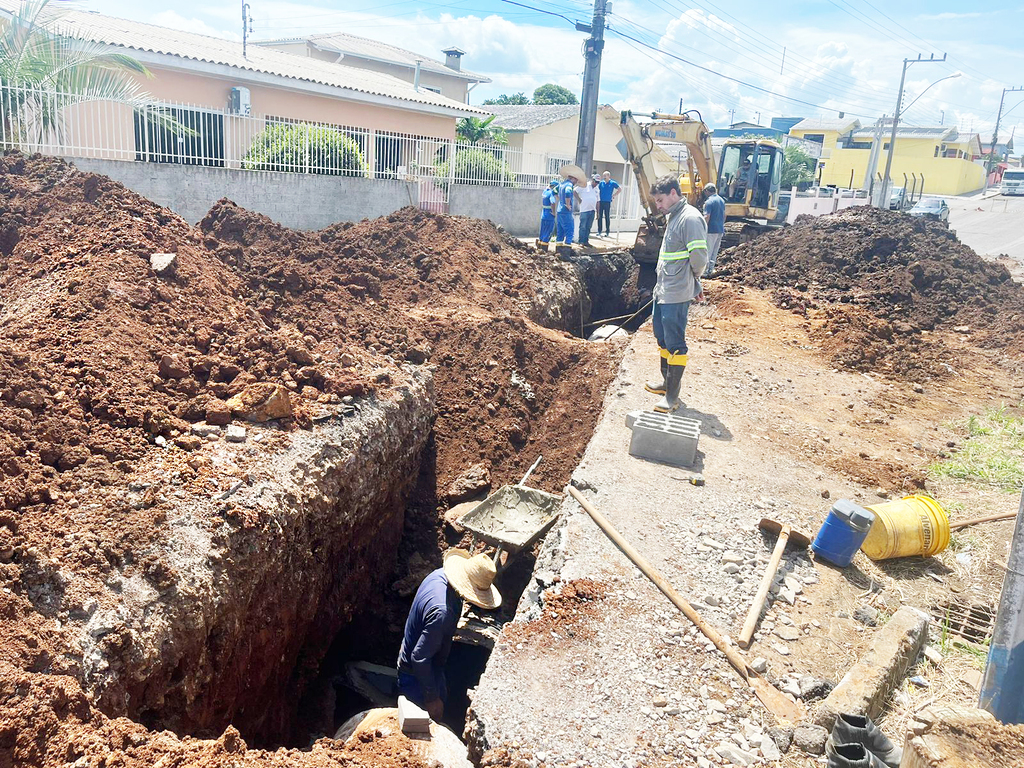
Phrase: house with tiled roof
(447, 77)
(226, 93)
(552, 130)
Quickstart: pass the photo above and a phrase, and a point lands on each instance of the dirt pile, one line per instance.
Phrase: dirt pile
(111, 361)
(881, 281)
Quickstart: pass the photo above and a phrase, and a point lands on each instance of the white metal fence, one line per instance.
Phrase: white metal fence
(49, 122)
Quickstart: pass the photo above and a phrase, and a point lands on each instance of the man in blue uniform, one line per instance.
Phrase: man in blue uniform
(549, 201)
(609, 189)
(566, 226)
(433, 618)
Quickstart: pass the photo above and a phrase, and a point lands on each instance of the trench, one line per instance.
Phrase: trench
(383, 555)
(375, 634)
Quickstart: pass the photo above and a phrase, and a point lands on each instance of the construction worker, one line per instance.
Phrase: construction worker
(566, 194)
(609, 190)
(681, 262)
(549, 201)
(430, 627)
(714, 215)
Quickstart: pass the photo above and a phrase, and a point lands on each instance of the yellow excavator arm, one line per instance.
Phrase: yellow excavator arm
(640, 141)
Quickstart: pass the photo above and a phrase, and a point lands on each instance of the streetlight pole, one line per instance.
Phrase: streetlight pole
(886, 181)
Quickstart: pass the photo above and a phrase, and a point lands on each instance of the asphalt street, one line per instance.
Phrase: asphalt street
(992, 226)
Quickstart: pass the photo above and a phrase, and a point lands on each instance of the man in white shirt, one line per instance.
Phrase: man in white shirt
(588, 197)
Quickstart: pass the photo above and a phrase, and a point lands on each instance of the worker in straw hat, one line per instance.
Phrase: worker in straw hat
(430, 628)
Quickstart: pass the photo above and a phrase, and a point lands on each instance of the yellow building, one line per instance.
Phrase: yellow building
(825, 132)
(935, 160)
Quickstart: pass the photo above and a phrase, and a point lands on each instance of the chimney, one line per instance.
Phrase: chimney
(453, 58)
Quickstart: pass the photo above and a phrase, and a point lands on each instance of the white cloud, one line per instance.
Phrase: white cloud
(174, 20)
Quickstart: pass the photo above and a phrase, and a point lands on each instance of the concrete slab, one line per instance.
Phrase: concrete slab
(867, 686)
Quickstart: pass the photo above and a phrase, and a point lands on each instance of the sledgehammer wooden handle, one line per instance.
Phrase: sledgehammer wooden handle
(762, 591)
(773, 699)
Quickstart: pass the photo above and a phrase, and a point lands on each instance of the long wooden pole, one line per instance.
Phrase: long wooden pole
(990, 519)
(773, 699)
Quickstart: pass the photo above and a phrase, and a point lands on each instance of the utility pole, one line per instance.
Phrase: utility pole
(591, 86)
(995, 134)
(886, 181)
(246, 28)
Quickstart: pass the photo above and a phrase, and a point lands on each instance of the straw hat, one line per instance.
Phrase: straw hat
(573, 170)
(472, 576)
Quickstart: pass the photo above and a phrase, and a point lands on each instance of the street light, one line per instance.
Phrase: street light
(896, 118)
(922, 93)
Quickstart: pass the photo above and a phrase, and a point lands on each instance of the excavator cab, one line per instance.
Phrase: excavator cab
(749, 174)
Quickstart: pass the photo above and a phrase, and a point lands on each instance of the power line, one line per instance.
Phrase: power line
(734, 79)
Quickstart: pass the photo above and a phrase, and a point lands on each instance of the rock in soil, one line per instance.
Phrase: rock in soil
(810, 738)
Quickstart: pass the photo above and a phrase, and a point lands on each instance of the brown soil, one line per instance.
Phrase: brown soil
(101, 361)
(881, 282)
(977, 745)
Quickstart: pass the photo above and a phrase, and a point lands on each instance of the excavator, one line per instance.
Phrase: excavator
(747, 176)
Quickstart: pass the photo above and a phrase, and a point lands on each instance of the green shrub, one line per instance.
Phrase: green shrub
(306, 148)
(474, 165)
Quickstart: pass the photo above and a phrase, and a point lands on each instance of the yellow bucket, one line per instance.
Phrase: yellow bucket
(914, 525)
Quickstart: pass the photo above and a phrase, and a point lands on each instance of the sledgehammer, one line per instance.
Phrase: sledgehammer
(785, 534)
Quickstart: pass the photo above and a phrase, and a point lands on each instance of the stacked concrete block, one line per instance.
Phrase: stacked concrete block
(663, 437)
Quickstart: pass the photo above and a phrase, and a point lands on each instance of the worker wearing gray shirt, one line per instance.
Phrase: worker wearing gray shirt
(681, 262)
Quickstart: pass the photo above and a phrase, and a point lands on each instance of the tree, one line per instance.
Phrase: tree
(516, 98)
(549, 93)
(474, 165)
(477, 131)
(307, 148)
(43, 71)
(797, 167)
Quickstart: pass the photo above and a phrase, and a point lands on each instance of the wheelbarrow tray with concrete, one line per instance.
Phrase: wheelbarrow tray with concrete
(512, 518)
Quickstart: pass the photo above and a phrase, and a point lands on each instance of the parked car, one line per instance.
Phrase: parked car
(898, 200)
(931, 208)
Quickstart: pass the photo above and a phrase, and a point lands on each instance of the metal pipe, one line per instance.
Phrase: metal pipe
(1004, 671)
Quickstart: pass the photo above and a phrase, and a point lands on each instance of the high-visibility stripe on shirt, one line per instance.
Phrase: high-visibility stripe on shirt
(696, 244)
(674, 255)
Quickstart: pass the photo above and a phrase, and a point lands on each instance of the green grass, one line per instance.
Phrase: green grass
(991, 451)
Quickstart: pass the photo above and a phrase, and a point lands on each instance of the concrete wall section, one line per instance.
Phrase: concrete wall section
(517, 210)
(295, 200)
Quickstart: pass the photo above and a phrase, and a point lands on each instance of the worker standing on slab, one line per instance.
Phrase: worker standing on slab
(587, 197)
(573, 174)
(714, 215)
(433, 618)
(549, 202)
(609, 190)
(681, 262)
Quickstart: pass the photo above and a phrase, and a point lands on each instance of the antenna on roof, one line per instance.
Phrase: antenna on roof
(246, 27)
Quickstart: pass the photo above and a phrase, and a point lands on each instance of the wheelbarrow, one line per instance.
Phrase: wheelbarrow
(512, 518)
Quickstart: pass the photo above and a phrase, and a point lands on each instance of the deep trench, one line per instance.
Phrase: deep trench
(375, 634)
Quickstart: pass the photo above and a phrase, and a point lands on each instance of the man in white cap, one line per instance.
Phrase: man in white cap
(430, 627)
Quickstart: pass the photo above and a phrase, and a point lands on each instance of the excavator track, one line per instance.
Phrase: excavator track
(742, 231)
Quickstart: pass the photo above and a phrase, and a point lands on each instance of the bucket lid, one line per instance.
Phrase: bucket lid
(854, 515)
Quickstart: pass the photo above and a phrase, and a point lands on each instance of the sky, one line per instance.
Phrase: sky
(731, 61)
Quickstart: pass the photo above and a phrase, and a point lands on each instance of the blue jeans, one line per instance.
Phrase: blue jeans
(670, 330)
(586, 222)
(604, 210)
(547, 226)
(409, 687)
(566, 227)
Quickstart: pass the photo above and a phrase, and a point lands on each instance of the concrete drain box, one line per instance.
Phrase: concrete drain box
(663, 437)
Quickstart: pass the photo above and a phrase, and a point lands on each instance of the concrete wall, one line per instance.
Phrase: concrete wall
(517, 210)
(943, 175)
(292, 199)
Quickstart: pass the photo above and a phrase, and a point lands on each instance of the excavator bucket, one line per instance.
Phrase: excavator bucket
(648, 242)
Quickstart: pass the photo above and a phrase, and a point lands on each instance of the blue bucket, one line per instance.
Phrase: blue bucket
(842, 533)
